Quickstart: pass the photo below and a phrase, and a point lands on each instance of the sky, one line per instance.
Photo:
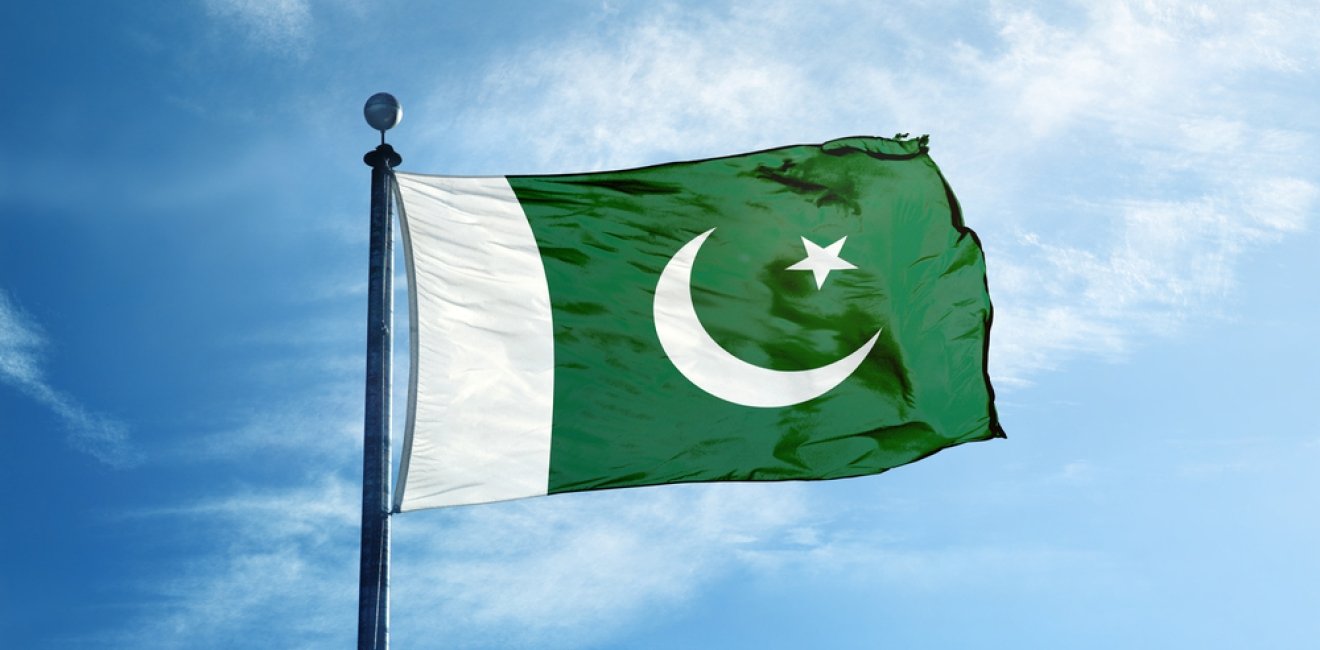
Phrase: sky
(183, 251)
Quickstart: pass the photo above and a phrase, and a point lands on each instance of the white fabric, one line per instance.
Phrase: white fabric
(480, 400)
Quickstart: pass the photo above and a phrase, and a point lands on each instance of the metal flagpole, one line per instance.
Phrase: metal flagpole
(382, 112)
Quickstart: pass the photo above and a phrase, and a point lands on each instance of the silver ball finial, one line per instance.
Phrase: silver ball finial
(382, 112)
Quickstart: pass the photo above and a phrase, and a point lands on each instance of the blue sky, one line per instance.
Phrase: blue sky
(182, 293)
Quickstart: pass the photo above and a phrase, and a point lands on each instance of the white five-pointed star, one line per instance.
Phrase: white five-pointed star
(820, 261)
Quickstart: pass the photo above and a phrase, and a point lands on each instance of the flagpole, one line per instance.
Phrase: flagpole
(382, 112)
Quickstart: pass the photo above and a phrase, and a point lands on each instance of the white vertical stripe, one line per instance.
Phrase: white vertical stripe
(481, 394)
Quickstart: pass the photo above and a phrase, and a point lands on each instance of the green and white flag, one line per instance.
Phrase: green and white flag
(809, 312)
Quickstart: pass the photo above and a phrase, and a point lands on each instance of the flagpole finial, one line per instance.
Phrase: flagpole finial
(383, 112)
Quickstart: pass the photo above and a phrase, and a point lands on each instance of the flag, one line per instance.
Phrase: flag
(806, 312)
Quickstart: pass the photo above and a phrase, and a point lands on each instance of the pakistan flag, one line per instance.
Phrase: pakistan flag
(808, 312)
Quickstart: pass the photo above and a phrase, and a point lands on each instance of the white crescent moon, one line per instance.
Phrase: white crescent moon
(708, 365)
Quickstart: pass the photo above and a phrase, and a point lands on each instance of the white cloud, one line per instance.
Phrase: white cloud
(576, 569)
(314, 419)
(279, 25)
(20, 366)
(1184, 185)
(311, 514)
(324, 424)
(674, 83)
(551, 572)
(287, 571)
(1141, 136)
(906, 568)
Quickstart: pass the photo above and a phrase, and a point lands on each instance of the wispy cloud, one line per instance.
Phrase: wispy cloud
(1141, 137)
(1182, 178)
(555, 572)
(288, 572)
(21, 341)
(674, 82)
(321, 426)
(577, 569)
(913, 568)
(276, 25)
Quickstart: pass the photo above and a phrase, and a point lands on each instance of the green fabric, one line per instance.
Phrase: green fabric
(624, 416)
